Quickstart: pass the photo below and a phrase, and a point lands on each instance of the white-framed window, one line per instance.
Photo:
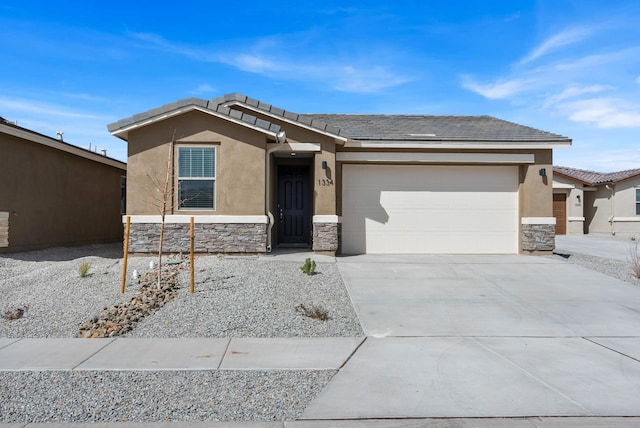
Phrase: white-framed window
(197, 178)
(637, 201)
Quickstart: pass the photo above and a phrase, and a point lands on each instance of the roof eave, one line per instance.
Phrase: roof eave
(61, 145)
(456, 144)
(123, 132)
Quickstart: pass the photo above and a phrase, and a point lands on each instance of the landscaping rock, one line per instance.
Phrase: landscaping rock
(122, 318)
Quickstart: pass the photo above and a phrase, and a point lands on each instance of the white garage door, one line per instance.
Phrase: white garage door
(390, 209)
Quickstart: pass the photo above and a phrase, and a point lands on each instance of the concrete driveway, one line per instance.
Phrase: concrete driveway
(607, 246)
(476, 336)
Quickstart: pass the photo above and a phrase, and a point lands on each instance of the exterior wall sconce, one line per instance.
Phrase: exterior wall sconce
(543, 172)
(324, 164)
(578, 197)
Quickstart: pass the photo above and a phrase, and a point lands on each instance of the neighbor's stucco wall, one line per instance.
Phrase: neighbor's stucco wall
(240, 163)
(55, 198)
(575, 202)
(601, 207)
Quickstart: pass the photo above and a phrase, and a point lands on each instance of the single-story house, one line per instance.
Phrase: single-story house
(56, 194)
(255, 177)
(593, 202)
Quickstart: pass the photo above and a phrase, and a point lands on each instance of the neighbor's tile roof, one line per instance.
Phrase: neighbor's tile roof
(361, 126)
(593, 177)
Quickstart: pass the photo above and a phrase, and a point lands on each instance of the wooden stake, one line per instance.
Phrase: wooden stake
(191, 236)
(126, 253)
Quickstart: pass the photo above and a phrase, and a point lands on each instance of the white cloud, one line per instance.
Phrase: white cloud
(270, 58)
(203, 88)
(606, 113)
(45, 109)
(573, 92)
(498, 90)
(565, 38)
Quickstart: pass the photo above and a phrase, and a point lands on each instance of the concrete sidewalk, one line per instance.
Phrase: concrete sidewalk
(530, 422)
(177, 354)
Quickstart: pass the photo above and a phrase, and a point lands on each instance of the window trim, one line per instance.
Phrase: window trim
(213, 179)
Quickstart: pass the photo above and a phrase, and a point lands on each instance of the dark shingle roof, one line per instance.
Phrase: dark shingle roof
(361, 126)
(189, 103)
(592, 177)
(437, 128)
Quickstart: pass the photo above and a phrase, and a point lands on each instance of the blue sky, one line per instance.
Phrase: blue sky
(568, 67)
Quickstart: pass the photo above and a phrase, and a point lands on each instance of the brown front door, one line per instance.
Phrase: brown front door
(294, 205)
(560, 212)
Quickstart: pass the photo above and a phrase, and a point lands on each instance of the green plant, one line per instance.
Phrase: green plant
(634, 254)
(317, 312)
(309, 266)
(83, 270)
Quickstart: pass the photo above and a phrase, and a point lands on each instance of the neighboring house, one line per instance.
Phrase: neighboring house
(56, 194)
(593, 202)
(255, 177)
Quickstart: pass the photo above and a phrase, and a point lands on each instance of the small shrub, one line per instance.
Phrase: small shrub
(317, 312)
(309, 266)
(634, 254)
(83, 270)
(17, 313)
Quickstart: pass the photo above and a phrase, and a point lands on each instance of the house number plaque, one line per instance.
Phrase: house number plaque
(325, 182)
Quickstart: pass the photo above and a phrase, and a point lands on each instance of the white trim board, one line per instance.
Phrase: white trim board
(557, 185)
(538, 220)
(200, 219)
(327, 219)
(460, 144)
(575, 218)
(626, 219)
(493, 158)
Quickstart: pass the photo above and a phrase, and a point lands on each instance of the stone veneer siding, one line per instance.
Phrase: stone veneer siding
(326, 236)
(209, 237)
(4, 229)
(538, 237)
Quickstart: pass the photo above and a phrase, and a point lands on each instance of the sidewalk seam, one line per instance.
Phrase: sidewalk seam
(611, 349)
(353, 353)
(532, 376)
(224, 354)
(111, 340)
(18, 339)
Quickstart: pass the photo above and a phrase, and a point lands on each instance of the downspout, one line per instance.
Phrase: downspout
(280, 138)
(612, 187)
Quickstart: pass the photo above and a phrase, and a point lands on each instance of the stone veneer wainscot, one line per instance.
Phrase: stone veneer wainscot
(209, 237)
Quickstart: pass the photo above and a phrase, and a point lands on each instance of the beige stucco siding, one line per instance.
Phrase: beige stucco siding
(324, 192)
(240, 163)
(602, 204)
(55, 198)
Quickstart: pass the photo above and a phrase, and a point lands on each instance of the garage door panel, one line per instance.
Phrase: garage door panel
(429, 209)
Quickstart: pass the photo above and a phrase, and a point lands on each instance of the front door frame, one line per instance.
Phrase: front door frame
(302, 239)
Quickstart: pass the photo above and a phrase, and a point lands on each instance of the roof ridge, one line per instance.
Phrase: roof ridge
(303, 119)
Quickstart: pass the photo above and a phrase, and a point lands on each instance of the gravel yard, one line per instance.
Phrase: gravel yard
(235, 297)
(144, 396)
(613, 268)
